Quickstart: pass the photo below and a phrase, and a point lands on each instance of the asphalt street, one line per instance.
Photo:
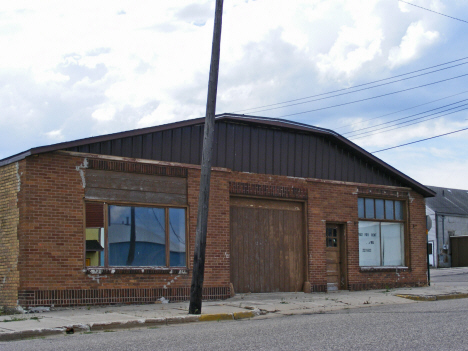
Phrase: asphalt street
(451, 277)
(438, 325)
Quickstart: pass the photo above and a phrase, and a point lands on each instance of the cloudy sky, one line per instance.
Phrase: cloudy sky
(75, 69)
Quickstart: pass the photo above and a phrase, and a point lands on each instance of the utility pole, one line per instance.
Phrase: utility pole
(196, 288)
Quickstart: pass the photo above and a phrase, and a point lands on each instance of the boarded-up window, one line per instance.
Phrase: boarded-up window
(136, 188)
(94, 215)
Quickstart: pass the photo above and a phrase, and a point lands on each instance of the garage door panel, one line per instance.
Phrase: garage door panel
(248, 257)
(270, 258)
(267, 242)
(251, 242)
(302, 254)
(280, 246)
(263, 219)
(235, 248)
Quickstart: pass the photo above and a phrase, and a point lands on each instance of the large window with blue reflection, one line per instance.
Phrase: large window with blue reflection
(146, 236)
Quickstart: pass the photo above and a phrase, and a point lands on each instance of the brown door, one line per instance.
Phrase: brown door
(267, 245)
(459, 246)
(335, 255)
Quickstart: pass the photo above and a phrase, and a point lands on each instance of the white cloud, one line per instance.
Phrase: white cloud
(414, 41)
(55, 135)
(355, 44)
(441, 172)
(169, 112)
(49, 76)
(104, 114)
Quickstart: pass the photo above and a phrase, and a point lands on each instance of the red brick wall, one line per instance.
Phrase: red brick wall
(9, 245)
(51, 222)
(52, 238)
(217, 241)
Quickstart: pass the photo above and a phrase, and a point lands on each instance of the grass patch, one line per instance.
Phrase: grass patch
(14, 319)
(19, 319)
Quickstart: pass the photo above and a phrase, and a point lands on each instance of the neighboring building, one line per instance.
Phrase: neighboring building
(448, 236)
(111, 219)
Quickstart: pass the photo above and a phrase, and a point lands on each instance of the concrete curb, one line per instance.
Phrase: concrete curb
(228, 316)
(433, 297)
(37, 333)
(137, 323)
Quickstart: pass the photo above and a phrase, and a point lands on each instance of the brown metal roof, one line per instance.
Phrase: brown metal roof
(248, 144)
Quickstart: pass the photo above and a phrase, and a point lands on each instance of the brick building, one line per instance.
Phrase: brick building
(111, 219)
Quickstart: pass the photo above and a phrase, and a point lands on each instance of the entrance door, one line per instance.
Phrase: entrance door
(267, 245)
(430, 251)
(335, 256)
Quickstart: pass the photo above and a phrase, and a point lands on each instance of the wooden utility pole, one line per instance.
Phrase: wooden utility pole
(196, 288)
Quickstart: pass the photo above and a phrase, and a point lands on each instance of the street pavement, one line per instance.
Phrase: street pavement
(445, 284)
(424, 326)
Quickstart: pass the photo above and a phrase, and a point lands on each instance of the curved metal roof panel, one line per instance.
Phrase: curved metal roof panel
(249, 144)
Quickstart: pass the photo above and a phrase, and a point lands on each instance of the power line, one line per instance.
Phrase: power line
(399, 119)
(355, 91)
(392, 113)
(410, 124)
(418, 141)
(373, 97)
(353, 87)
(458, 19)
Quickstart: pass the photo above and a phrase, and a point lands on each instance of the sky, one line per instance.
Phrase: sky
(76, 69)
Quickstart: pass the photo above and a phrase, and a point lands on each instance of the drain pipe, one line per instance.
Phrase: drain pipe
(443, 231)
(443, 235)
(436, 260)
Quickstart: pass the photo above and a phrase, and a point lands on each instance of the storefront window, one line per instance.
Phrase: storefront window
(381, 238)
(142, 236)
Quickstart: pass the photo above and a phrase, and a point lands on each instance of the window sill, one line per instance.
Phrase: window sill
(367, 269)
(135, 270)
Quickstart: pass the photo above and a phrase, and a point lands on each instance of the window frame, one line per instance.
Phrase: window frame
(166, 207)
(404, 221)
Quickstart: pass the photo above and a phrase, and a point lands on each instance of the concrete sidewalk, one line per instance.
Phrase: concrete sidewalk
(268, 305)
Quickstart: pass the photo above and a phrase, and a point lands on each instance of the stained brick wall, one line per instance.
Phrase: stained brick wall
(9, 247)
(51, 259)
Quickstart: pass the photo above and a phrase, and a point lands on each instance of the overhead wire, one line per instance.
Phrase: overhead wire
(405, 109)
(424, 8)
(399, 119)
(374, 97)
(353, 87)
(418, 141)
(410, 124)
(358, 90)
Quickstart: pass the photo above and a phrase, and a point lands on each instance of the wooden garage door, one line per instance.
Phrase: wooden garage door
(267, 245)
